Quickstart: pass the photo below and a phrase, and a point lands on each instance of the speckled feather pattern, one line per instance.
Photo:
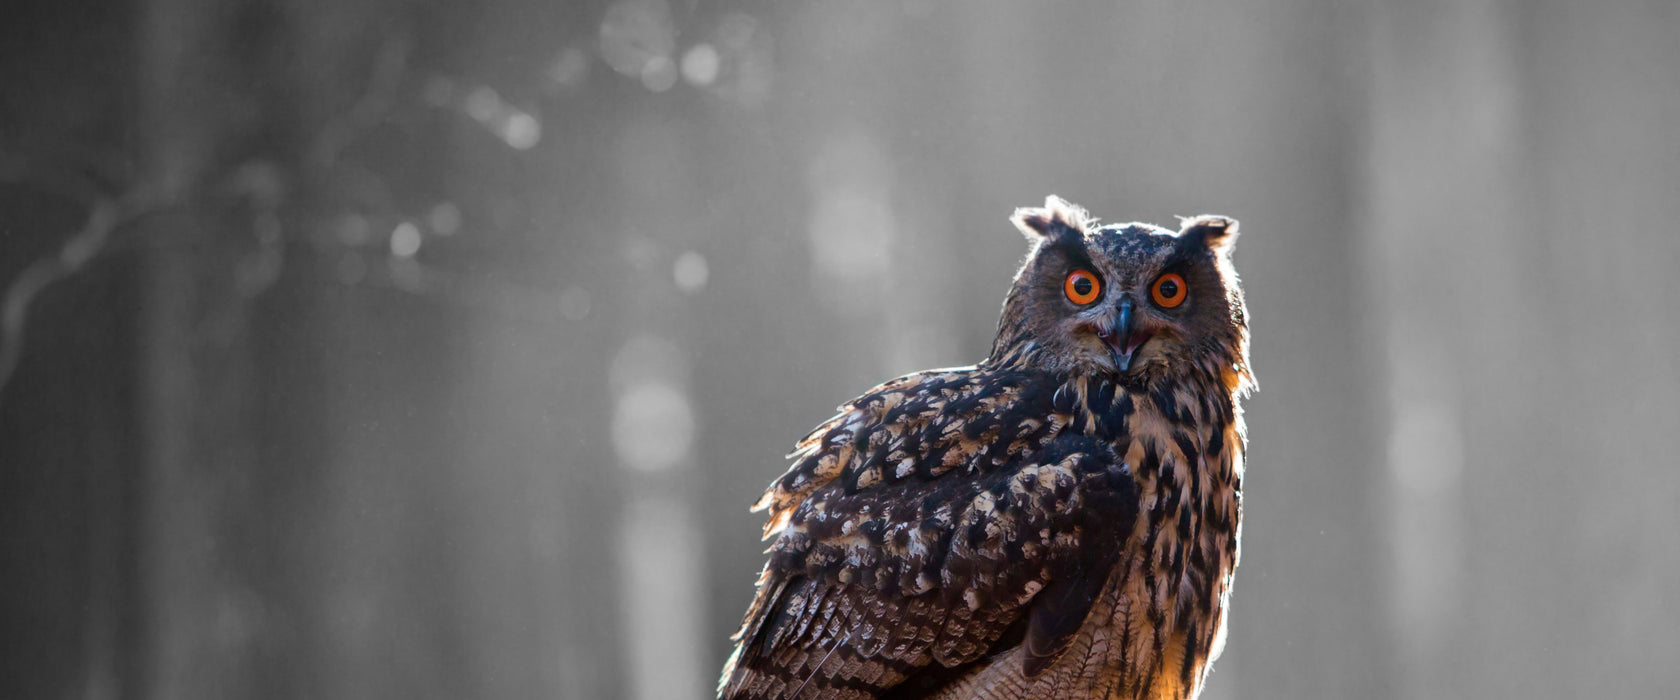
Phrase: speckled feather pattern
(1007, 531)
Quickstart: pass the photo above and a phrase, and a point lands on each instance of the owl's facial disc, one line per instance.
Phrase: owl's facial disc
(1125, 336)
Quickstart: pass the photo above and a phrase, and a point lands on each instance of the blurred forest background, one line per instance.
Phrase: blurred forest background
(389, 349)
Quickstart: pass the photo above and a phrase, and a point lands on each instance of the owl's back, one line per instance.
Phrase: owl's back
(967, 532)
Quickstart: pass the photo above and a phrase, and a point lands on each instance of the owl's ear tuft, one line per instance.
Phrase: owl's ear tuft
(1217, 233)
(1058, 218)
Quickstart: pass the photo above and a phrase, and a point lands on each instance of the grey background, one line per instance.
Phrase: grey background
(369, 348)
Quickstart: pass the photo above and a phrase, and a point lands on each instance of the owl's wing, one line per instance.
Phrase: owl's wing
(939, 517)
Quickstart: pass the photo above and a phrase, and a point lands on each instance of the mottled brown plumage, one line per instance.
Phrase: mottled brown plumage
(1060, 520)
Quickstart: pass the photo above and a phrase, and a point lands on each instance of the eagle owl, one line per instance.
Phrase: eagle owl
(1060, 520)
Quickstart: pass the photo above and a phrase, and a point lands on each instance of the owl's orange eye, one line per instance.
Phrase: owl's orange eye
(1082, 287)
(1169, 290)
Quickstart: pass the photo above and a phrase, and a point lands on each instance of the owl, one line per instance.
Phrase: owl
(1060, 520)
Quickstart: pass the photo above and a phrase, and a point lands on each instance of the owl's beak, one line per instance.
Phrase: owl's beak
(1124, 341)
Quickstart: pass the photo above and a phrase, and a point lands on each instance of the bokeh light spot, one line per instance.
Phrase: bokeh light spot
(405, 240)
(700, 65)
(445, 218)
(521, 131)
(659, 74)
(690, 272)
(851, 231)
(653, 426)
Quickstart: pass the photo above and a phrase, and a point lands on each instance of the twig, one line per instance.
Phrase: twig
(105, 215)
(372, 107)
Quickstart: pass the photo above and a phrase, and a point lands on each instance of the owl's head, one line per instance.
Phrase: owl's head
(1134, 302)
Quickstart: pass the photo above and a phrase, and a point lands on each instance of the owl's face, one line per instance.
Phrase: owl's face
(1132, 301)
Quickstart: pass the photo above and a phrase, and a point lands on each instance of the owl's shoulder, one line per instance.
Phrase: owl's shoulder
(920, 426)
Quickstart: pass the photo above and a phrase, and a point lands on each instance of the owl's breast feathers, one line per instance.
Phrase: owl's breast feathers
(981, 532)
